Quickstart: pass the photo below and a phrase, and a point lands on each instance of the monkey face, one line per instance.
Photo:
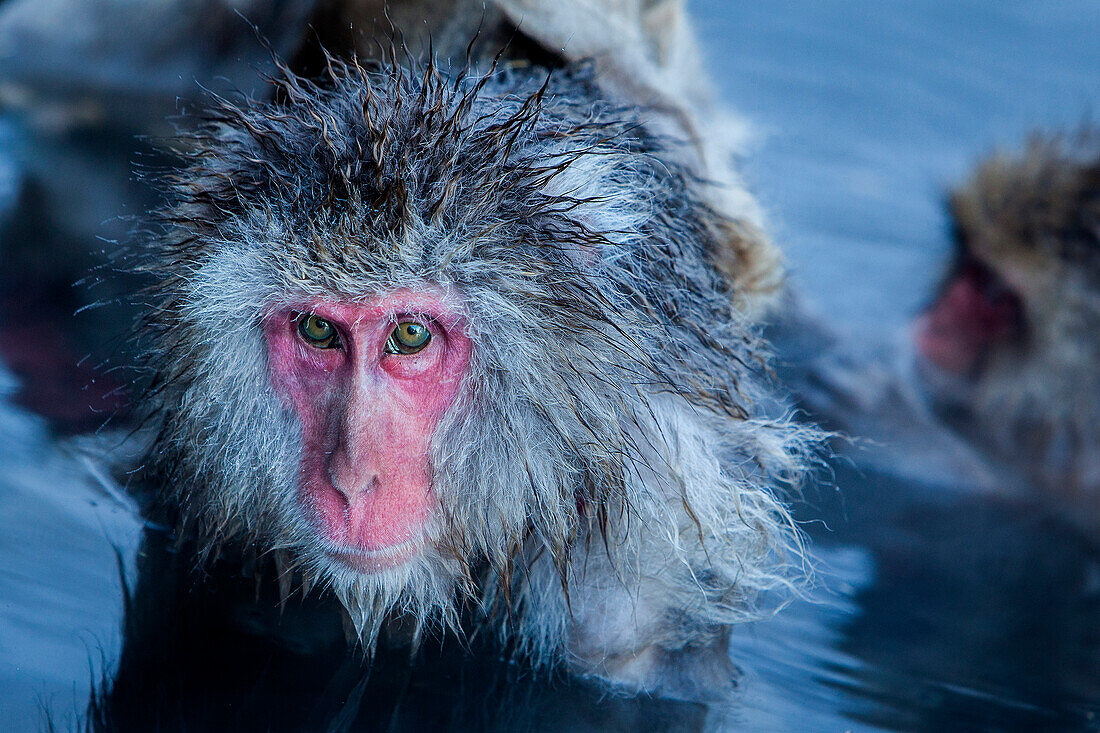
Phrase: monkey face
(369, 384)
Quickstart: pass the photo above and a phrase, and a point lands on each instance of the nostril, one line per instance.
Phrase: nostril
(349, 487)
(344, 507)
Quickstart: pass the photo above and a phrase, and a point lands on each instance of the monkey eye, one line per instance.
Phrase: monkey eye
(317, 332)
(408, 338)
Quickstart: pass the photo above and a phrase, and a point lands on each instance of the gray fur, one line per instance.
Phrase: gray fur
(609, 484)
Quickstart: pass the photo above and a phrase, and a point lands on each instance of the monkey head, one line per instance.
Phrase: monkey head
(1009, 348)
(424, 338)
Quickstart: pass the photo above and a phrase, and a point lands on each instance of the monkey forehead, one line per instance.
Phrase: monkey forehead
(432, 302)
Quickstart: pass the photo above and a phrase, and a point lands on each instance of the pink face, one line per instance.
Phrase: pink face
(971, 315)
(370, 383)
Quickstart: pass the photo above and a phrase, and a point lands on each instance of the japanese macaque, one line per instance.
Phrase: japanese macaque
(1010, 349)
(456, 342)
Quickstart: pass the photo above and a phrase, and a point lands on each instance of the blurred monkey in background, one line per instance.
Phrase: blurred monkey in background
(1009, 351)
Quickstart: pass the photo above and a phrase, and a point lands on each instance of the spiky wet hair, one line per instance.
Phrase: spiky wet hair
(612, 383)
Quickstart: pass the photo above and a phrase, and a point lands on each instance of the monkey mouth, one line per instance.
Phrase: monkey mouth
(975, 311)
(375, 561)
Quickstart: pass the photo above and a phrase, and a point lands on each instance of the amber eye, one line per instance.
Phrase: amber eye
(408, 338)
(317, 332)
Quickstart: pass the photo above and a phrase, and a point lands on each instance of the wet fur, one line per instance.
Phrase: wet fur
(611, 490)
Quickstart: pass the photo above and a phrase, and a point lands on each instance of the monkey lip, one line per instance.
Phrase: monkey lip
(371, 561)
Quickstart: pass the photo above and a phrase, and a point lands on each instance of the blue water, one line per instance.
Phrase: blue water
(61, 521)
(867, 111)
(932, 610)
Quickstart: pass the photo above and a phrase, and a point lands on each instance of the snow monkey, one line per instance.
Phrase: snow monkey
(1010, 349)
(446, 341)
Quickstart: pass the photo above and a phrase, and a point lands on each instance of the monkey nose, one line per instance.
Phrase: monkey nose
(350, 483)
